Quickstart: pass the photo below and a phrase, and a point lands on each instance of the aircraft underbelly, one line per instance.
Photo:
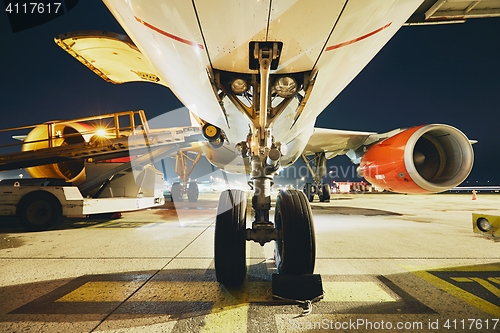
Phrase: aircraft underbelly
(185, 39)
(302, 27)
(360, 33)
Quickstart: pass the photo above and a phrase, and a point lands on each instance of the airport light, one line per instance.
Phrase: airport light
(100, 132)
(285, 86)
(483, 224)
(239, 86)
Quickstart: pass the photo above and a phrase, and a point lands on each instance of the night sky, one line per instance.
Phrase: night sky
(426, 74)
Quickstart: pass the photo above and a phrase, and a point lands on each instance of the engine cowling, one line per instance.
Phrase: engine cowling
(422, 159)
(64, 134)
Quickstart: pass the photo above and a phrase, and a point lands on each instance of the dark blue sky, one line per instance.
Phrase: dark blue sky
(436, 74)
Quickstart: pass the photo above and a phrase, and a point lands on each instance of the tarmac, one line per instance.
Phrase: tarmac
(394, 263)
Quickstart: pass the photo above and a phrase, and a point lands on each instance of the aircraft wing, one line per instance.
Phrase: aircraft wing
(351, 143)
(339, 142)
(447, 11)
(334, 142)
(112, 56)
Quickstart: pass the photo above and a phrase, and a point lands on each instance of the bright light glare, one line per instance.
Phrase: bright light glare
(100, 132)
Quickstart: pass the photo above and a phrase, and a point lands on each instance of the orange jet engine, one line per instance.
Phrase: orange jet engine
(422, 159)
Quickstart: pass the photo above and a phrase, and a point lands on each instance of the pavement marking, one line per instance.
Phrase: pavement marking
(343, 291)
(210, 291)
(232, 319)
(483, 283)
(473, 284)
(165, 327)
(197, 295)
(102, 291)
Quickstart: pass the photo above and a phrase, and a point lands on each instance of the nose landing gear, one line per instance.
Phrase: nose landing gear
(293, 224)
(293, 232)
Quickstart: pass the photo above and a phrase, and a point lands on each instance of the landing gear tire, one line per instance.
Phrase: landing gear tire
(325, 193)
(296, 250)
(309, 191)
(39, 211)
(175, 192)
(193, 192)
(230, 238)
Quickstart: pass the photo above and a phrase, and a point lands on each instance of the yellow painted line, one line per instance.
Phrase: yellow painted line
(177, 291)
(482, 282)
(102, 291)
(478, 268)
(485, 284)
(355, 292)
(168, 291)
(495, 279)
(227, 319)
(471, 299)
(461, 279)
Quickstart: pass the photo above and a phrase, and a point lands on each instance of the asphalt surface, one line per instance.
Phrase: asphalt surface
(392, 263)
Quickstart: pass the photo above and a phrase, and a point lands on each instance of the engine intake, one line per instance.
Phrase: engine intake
(422, 159)
(64, 134)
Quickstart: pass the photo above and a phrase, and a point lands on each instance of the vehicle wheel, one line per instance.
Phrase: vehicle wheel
(325, 193)
(296, 250)
(193, 192)
(39, 211)
(309, 191)
(175, 192)
(230, 238)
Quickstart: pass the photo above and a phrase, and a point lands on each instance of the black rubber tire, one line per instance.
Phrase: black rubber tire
(39, 211)
(175, 192)
(230, 238)
(193, 192)
(325, 193)
(309, 191)
(296, 250)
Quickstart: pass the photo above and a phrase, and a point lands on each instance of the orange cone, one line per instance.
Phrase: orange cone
(474, 195)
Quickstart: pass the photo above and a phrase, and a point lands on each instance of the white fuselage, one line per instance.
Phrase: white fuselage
(186, 40)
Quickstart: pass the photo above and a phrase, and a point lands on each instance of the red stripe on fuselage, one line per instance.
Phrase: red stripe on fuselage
(169, 35)
(336, 46)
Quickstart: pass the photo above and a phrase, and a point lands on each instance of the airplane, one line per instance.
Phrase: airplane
(255, 75)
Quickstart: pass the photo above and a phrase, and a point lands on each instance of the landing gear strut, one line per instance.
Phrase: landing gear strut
(318, 170)
(293, 223)
(184, 165)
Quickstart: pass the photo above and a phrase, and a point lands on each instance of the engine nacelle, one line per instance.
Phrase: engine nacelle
(422, 159)
(63, 134)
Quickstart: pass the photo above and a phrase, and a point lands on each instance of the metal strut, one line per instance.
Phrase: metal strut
(319, 163)
(265, 156)
(183, 169)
